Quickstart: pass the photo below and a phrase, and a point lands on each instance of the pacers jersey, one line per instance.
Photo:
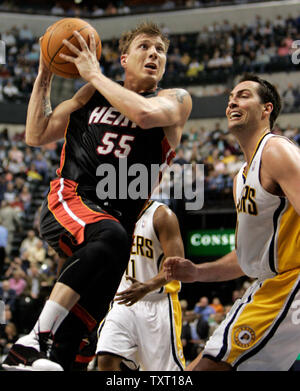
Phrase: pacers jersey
(268, 227)
(102, 146)
(147, 256)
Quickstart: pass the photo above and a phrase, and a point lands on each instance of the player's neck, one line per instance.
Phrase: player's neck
(139, 86)
(249, 141)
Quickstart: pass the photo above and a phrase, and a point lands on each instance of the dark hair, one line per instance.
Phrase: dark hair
(267, 93)
(148, 28)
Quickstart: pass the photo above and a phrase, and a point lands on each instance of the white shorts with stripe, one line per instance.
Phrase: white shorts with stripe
(146, 335)
(261, 332)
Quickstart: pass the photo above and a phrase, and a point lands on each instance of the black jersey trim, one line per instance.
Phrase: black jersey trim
(146, 207)
(245, 171)
(275, 226)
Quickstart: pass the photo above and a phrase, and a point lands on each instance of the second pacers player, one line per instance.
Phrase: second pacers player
(143, 327)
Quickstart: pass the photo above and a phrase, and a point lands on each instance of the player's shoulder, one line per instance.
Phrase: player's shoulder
(280, 155)
(279, 146)
(163, 215)
(180, 94)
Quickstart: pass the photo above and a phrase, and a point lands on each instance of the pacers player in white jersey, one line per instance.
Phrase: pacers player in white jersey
(142, 329)
(262, 330)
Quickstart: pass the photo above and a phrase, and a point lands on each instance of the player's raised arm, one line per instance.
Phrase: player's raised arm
(144, 65)
(44, 125)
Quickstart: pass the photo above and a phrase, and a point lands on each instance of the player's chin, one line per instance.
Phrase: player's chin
(154, 74)
(150, 81)
(232, 125)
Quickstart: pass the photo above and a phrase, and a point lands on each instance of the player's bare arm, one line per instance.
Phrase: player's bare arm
(280, 170)
(170, 109)
(44, 125)
(168, 232)
(224, 269)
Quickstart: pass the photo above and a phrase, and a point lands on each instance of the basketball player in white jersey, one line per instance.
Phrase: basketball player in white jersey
(262, 330)
(142, 329)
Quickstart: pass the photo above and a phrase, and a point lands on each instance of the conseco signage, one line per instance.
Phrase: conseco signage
(210, 242)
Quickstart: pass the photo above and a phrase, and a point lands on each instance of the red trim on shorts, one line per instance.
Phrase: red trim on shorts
(70, 211)
(84, 359)
(65, 248)
(83, 315)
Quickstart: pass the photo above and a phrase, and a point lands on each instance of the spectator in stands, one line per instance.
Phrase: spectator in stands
(36, 219)
(215, 320)
(26, 197)
(35, 280)
(262, 60)
(3, 245)
(11, 221)
(288, 97)
(215, 182)
(7, 294)
(203, 308)
(111, 9)
(57, 9)
(97, 11)
(29, 242)
(217, 305)
(16, 154)
(17, 281)
(11, 91)
(33, 176)
(10, 193)
(36, 253)
(25, 35)
(15, 167)
(191, 341)
(28, 156)
(9, 38)
(8, 337)
(41, 166)
(180, 158)
(18, 205)
(194, 68)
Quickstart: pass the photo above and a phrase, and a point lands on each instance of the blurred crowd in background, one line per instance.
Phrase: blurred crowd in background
(214, 55)
(108, 8)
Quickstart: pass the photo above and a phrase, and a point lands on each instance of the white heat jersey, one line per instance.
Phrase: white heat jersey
(146, 255)
(268, 227)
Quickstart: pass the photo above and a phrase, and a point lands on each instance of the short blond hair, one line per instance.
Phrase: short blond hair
(148, 28)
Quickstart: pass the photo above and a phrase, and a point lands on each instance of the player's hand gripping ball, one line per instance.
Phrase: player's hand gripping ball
(52, 45)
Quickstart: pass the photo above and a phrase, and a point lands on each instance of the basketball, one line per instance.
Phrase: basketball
(52, 45)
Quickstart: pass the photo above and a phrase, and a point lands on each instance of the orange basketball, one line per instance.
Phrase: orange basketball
(52, 45)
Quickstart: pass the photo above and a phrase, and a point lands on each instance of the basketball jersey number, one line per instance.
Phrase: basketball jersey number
(120, 150)
(132, 264)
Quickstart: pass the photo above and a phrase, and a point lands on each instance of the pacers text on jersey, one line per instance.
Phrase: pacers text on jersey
(136, 182)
